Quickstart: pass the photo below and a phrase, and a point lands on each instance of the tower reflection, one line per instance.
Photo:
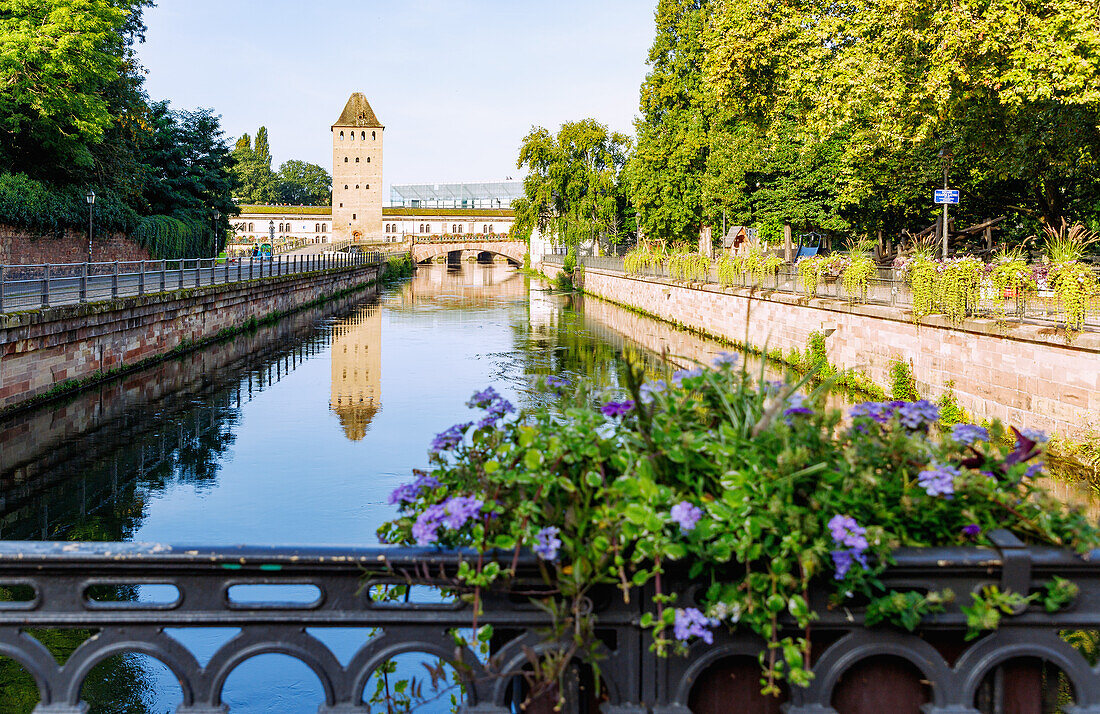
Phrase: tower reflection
(357, 370)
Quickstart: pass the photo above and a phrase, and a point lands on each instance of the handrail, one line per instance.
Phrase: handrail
(886, 289)
(31, 287)
(52, 581)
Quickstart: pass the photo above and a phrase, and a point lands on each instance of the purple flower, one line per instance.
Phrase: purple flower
(972, 530)
(687, 515)
(404, 494)
(460, 509)
(426, 481)
(482, 399)
(426, 529)
(1034, 470)
(843, 559)
(449, 439)
(723, 359)
(615, 409)
(938, 480)
(1036, 435)
(650, 388)
(692, 623)
(681, 374)
(796, 404)
(774, 386)
(913, 415)
(495, 411)
(548, 543)
(967, 434)
(880, 412)
(846, 531)
(556, 382)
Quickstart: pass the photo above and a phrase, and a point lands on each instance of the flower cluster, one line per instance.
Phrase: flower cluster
(796, 404)
(495, 406)
(692, 623)
(724, 359)
(409, 492)
(912, 415)
(452, 513)
(547, 543)
(938, 480)
(649, 389)
(846, 532)
(450, 438)
(617, 409)
(687, 515)
(967, 434)
(681, 374)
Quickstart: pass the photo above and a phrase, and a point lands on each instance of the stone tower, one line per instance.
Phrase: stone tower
(357, 172)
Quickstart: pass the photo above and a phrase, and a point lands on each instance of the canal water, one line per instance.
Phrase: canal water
(293, 434)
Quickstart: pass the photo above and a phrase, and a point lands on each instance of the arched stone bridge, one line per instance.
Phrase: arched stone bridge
(513, 250)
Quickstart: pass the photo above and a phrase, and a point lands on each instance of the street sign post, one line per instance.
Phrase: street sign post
(946, 196)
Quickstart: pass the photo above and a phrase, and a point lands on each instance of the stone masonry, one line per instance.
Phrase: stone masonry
(1025, 375)
(42, 349)
(20, 247)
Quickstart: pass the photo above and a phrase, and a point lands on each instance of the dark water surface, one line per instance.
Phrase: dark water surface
(293, 434)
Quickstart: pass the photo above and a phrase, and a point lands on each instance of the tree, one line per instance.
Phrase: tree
(665, 172)
(574, 187)
(303, 184)
(59, 60)
(256, 181)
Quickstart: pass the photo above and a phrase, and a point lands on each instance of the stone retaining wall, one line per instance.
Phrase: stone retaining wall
(47, 350)
(20, 247)
(1025, 375)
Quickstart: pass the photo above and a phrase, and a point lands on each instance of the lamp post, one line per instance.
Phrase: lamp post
(945, 159)
(90, 198)
(214, 232)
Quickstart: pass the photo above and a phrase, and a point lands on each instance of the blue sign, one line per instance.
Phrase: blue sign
(946, 195)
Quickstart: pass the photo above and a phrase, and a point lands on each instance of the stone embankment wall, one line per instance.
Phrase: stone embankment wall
(50, 350)
(20, 247)
(1025, 375)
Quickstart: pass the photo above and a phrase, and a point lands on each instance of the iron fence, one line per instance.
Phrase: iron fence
(31, 287)
(105, 587)
(886, 289)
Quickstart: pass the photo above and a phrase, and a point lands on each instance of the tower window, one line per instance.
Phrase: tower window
(368, 185)
(345, 188)
(356, 159)
(353, 136)
(363, 135)
(341, 136)
(368, 159)
(353, 216)
(373, 135)
(356, 186)
(345, 159)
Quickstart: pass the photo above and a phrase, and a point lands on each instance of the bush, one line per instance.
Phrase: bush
(40, 207)
(902, 384)
(752, 487)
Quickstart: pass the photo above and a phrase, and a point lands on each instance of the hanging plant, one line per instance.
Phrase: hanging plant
(1010, 277)
(858, 271)
(1073, 282)
(958, 286)
(729, 271)
(643, 259)
(922, 274)
(688, 266)
(809, 273)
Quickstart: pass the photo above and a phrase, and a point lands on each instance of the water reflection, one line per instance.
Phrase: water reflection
(357, 370)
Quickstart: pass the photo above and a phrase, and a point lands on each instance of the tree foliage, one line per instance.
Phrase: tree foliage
(74, 115)
(574, 189)
(834, 116)
(303, 184)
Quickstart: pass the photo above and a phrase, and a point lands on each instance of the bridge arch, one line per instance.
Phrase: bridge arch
(512, 250)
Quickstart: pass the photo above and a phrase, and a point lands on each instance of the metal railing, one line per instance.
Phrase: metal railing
(886, 289)
(31, 287)
(469, 238)
(128, 594)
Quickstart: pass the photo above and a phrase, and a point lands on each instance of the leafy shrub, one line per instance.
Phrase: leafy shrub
(37, 206)
(902, 384)
(749, 487)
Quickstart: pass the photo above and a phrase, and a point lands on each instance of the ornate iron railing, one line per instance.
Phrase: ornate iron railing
(1025, 664)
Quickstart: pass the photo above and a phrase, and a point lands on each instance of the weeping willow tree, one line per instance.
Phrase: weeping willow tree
(573, 189)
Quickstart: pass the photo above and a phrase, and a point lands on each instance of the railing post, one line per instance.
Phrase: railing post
(141, 279)
(1, 288)
(46, 285)
(213, 271)
(238, 270)
(251, 266)
(181, 274)
(114, 281)
(84, 282)
(163, 274)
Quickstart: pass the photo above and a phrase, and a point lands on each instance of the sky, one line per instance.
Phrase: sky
(457, 83)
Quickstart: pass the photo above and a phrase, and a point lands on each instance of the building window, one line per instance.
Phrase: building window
(342, 205)
(353, 136)
(484, 229)
(341, 136)
(251, 228)
(368, 159)
(373, 135)
(324, 226)
(316, 227)
(345, 188)
(363, 135)
(356, 159)
(357, 186)
(345, 159)
(490, 227)
(368, 185)
(353, 216)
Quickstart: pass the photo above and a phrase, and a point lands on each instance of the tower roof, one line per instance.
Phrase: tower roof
(357, 112)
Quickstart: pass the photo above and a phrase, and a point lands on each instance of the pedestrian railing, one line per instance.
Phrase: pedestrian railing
(150, 599)
(471, 238)
(886, 289)
(31, 287)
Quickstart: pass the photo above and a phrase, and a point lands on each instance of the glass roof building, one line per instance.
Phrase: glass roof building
(499, 194)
